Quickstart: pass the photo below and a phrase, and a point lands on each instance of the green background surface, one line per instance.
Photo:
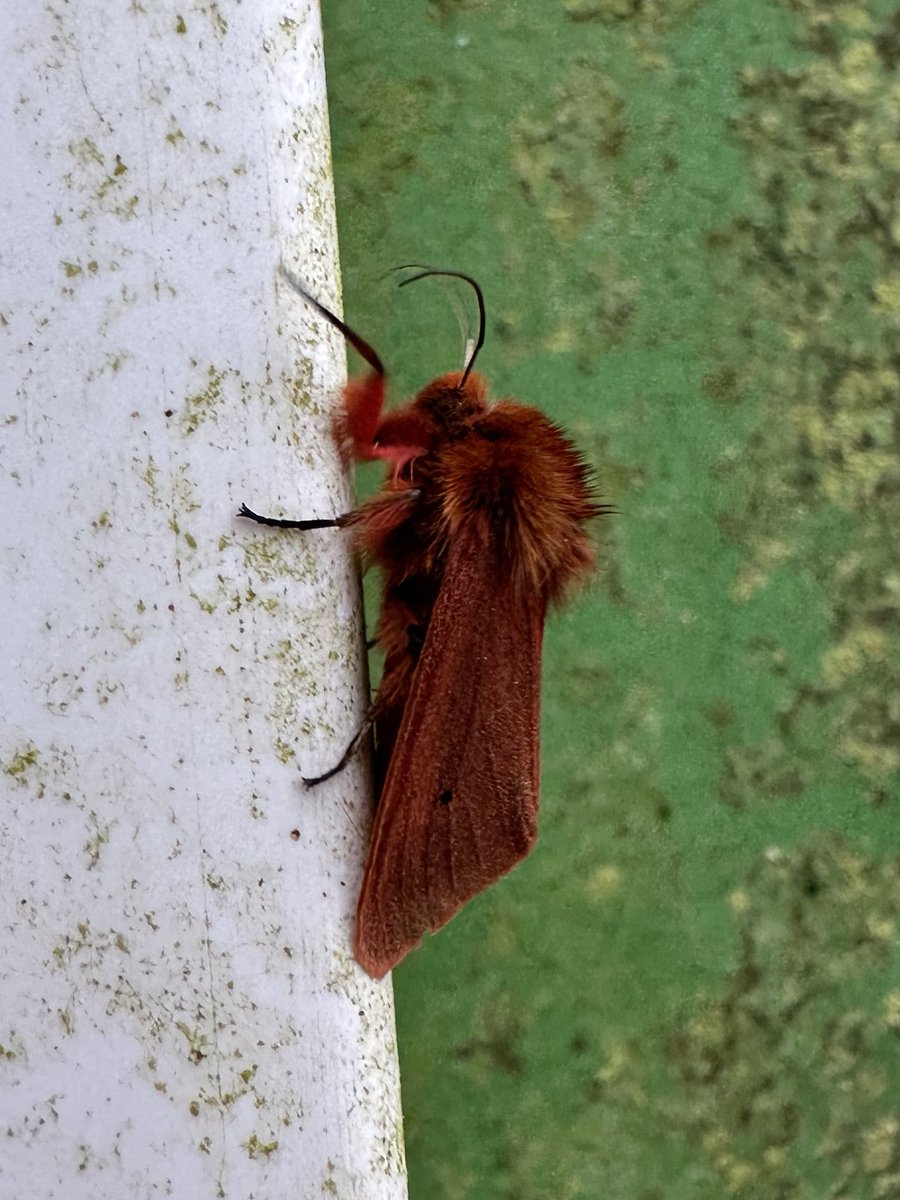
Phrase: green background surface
(685, 218)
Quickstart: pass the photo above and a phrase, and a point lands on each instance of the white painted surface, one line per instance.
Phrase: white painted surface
(181, 1014)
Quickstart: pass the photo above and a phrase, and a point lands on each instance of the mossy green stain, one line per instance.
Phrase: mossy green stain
(93, 847)
(201, 405)
(821, 283)
(197, 1041)
(220, 24)
(207, 606)
(814, 924)
(283, 751)
(85, 151)
(149, 477)
(256, 1148)
(270, 559)
(22, 762)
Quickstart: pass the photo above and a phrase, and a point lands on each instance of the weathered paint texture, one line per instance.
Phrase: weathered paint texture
(181, 1014)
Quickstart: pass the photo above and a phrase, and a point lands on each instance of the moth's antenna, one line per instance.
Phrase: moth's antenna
(362, 348)
(423, 273)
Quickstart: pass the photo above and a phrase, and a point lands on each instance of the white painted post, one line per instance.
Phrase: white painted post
(180, 1011)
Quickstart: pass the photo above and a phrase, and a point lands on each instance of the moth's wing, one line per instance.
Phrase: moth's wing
(459, 803)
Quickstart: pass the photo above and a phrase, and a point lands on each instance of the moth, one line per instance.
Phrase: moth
(478, 528)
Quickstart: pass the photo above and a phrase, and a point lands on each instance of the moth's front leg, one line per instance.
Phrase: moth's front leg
(282, 523)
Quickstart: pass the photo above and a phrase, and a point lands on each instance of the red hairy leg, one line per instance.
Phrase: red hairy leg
(362, 433)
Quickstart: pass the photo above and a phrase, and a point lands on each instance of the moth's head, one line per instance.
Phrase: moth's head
(453, 399)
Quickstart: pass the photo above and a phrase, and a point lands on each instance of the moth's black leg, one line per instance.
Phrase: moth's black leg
(405, 495)
(280, 523)
(355, 742)
(415, 639)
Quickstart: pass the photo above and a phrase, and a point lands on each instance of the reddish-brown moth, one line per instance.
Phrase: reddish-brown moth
(478, 527)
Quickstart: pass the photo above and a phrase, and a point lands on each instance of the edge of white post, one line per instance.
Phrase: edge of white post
(181, 1011)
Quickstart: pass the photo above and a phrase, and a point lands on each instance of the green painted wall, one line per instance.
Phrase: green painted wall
(685, 217)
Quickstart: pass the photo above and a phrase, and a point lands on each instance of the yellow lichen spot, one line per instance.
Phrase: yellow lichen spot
(196, 1040)
(202, 404)
(892, 1010)
(809, 421)
(796, 339)
(206, 606)
(255, 1147)
(880, 928)
(853, 16)
(603, 881)
(284, 752)
(888, 156)
(714, 1142)
(21, 761)
(149, 476)
(740, 1175)
(859, 68)
(93, 847)
(860, 649)
(859, 478)
(614, 1067)
(880, 1144)
(768, 553)
(180, 26)
(875, 760)
(887, 295)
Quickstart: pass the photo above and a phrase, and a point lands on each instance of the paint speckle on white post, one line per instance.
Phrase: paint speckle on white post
(181, 1013)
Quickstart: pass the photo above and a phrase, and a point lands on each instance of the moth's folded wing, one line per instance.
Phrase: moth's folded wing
(459, 804)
